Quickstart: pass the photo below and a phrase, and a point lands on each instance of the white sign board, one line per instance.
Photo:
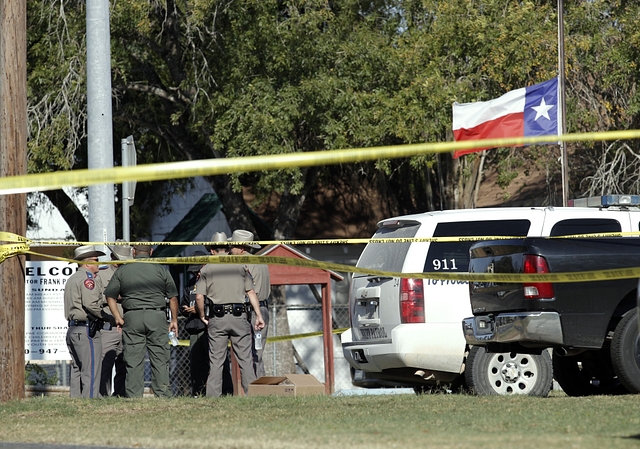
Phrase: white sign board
(45, 330)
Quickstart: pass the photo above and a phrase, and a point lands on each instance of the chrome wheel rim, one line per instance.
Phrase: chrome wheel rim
(512, 373)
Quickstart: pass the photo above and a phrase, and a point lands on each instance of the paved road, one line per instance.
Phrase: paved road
(52, 446)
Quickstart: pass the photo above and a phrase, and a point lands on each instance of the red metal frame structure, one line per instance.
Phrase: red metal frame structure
(294, 275)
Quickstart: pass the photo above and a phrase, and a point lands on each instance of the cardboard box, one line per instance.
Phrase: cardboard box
(288, 385)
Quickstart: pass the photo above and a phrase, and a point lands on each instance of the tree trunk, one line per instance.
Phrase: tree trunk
(13, 161)
(471, 184)
(234, 207)
(72, 215)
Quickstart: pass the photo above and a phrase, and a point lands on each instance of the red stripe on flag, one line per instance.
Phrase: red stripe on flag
(510, 125)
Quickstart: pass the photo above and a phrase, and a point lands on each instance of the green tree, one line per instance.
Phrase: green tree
(212, 79)
(56, 92)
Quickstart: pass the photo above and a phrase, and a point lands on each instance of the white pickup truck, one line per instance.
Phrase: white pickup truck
(407, 332)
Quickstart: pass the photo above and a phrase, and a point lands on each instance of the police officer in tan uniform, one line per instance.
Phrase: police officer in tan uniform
(261, 285)
(226, 285)
(112, 355)
(83, 309)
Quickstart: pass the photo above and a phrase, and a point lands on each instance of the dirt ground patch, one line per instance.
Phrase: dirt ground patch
(524, 190)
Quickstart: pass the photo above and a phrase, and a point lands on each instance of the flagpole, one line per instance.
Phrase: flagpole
(562, 121)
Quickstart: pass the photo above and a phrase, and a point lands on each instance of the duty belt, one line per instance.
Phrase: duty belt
(78, 323)
(264, 303)
(145, 308)
(237, 309)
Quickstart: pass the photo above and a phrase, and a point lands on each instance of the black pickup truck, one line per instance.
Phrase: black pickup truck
(592, 326)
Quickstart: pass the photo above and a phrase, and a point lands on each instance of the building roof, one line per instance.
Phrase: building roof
(291, 274)
(191, 225)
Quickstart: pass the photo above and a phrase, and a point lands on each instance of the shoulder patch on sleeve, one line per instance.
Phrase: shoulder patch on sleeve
(89, 284)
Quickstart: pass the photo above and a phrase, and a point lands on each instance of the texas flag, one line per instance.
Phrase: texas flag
(529, 111)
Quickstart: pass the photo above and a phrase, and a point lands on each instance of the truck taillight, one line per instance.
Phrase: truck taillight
(537, 290)
(411, 301)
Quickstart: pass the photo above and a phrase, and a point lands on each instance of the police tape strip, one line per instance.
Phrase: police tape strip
(7, 251)
(9, 237)
(282, 338)
(583, 276)
(224, 166)
(23, 248)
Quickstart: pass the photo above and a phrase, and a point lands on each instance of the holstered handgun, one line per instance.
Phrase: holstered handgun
(94, 326)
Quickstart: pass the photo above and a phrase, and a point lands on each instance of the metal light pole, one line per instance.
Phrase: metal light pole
(562, 121)
(99, 121)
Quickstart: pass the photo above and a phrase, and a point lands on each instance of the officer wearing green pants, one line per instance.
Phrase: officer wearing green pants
(144, 288)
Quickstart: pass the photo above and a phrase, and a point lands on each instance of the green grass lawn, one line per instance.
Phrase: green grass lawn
(438, 420)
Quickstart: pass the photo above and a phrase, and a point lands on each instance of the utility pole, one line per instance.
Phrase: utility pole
(102, 215)
(13, 162)
(562, 115)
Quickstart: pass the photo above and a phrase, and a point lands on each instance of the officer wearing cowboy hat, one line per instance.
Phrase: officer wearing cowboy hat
(226, 285)
(261, 285)
(111, 337)
(82, 307)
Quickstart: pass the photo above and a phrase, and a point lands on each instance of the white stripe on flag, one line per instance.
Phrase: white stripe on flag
(470, 115)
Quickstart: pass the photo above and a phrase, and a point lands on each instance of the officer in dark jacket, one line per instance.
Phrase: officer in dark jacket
(144, 288)
(226, 285)
(198, 339)
(83, 310)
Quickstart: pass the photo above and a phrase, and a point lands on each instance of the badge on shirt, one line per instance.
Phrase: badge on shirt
(89, 283)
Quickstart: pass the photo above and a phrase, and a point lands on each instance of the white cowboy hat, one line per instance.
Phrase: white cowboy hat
(121, 252)
(218, 237)
(86, 252)
(240, 235)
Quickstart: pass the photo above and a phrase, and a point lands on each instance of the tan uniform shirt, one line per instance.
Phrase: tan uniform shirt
(224, 283)
(83, 296)
(105, 276)
(261, 280)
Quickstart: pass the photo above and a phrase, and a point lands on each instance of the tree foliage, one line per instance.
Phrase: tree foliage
(224, 78)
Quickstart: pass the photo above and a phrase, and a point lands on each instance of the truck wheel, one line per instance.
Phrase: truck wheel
(587, 374)
(508, 373)
(625, 352)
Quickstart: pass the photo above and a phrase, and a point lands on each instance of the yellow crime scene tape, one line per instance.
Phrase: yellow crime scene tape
(281, 338)
(225, 166)
(597, 275)
(23, 247)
